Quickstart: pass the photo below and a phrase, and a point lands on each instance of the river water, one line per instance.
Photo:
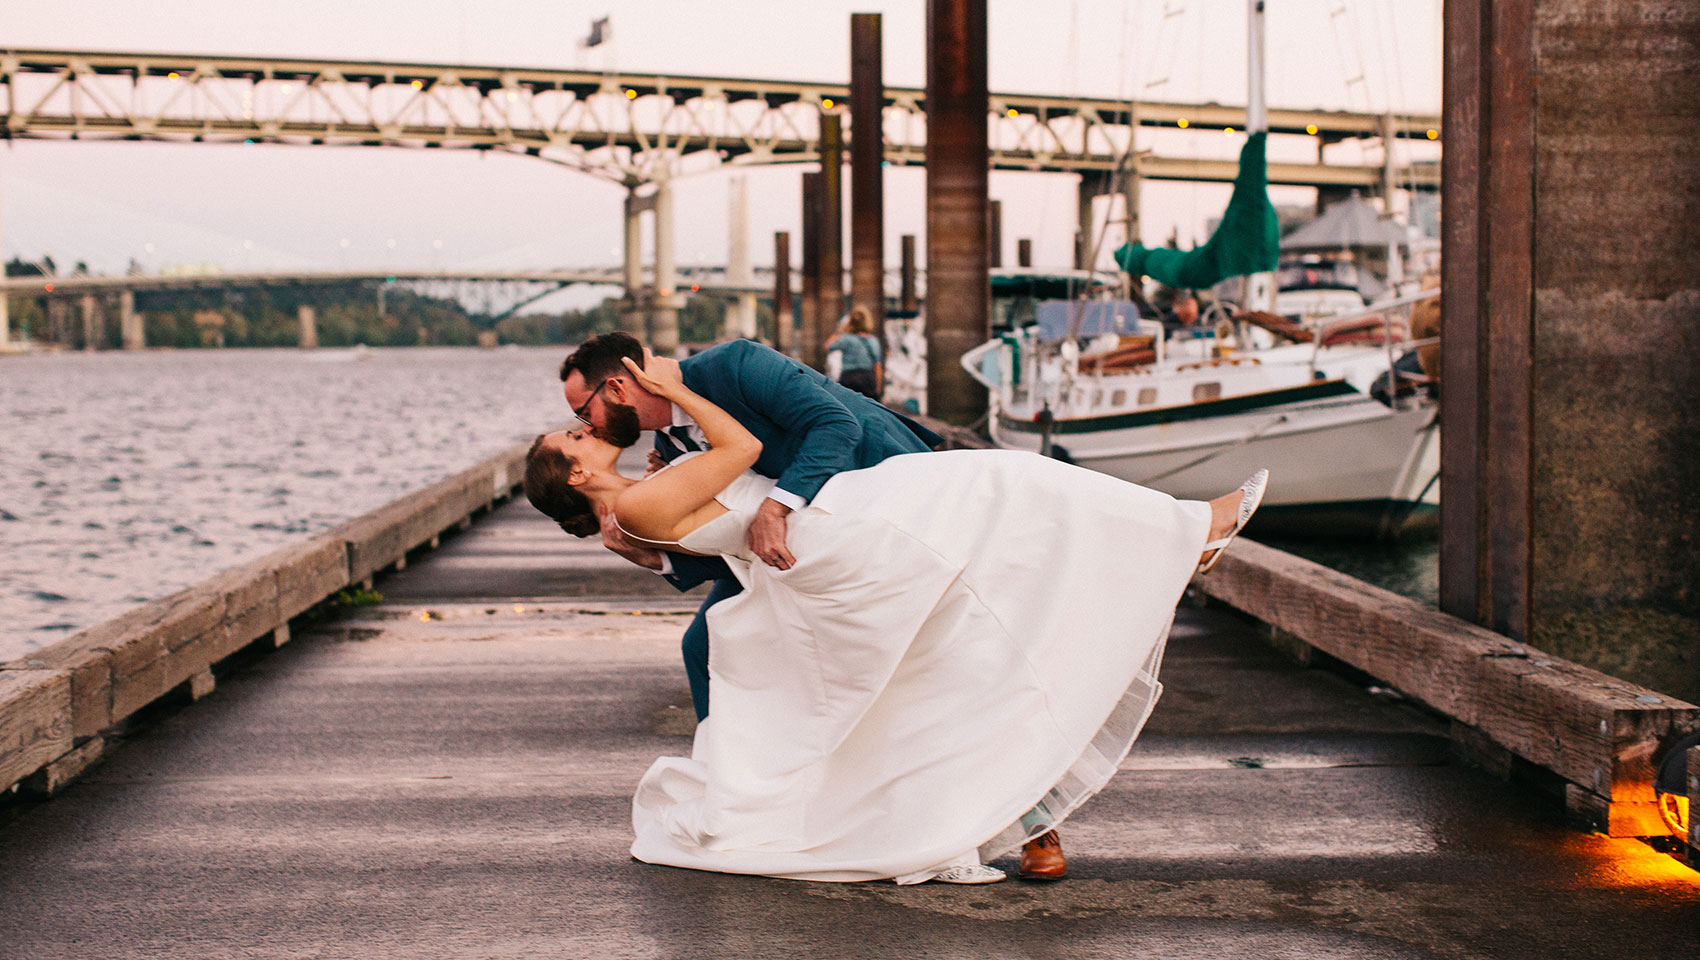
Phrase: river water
(127, 476)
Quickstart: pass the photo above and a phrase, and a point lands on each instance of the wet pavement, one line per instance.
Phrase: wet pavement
(448, 774)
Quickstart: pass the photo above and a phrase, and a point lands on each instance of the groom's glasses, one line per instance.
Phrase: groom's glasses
(580, 410)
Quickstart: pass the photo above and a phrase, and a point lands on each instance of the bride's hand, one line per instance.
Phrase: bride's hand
(659, 375)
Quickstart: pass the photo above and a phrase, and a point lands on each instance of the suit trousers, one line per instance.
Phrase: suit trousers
(695, 643)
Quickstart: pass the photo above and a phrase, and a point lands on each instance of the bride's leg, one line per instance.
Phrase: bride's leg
(1224, 513)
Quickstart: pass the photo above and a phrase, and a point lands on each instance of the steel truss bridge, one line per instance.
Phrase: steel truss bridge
(627, 127)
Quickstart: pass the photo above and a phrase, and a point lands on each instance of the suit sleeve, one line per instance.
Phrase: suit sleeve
(795, 399)
(689, 570)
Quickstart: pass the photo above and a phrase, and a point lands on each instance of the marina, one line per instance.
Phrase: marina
(290, 666)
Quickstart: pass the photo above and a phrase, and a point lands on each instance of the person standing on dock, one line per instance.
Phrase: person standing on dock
(811, 429)
(857, 355)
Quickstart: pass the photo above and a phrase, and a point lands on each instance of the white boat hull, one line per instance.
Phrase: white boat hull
(1343, 465)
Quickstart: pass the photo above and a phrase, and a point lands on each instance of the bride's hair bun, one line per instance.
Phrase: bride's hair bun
(581, 525)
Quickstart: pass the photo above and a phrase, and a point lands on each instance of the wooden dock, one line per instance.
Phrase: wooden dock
(447, 773)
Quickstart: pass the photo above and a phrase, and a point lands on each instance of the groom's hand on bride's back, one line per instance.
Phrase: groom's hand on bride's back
(767, 535)
(615, 539)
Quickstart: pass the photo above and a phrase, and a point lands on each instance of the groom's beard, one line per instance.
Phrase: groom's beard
(620, 426)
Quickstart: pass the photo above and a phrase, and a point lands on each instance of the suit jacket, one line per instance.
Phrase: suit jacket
(810, 427)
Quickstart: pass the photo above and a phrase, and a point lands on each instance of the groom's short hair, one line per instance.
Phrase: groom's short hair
(599, 357)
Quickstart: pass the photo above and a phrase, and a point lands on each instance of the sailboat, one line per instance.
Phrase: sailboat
(1341, 413)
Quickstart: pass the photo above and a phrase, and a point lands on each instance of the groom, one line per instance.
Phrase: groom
(810, 428)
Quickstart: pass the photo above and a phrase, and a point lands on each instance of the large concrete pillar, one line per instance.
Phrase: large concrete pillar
(741, 310)
(831, 239)
(664, 318)
(308, 319)
(94, 333)
(958, 294)
(1568, 514)
(1092, 186)
(867, 168)
(808, 312)
(1132, 181)
(1389, 172)
(130, 322)
(783, 322)
(633, 316)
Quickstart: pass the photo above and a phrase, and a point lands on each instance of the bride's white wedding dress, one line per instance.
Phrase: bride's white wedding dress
(967, 638)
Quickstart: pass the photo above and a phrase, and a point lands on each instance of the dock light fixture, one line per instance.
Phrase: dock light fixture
(172, 75)
(826, 103)
(1012, 112)
(1182, 123)
(1228, 130)
(631, 94)
(1434, 134)
(417, 84)
(1310, 128)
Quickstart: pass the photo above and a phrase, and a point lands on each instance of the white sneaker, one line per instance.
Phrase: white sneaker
(971, 873)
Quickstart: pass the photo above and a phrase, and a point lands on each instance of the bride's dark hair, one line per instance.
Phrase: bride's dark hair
(546, 486)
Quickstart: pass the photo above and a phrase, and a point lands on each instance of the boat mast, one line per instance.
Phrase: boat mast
(1259, 290)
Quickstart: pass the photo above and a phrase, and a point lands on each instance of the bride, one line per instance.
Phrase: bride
(962, 654)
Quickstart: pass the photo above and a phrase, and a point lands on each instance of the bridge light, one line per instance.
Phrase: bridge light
(172, 75)
(50, 288)
(631, 94)
(694, 288)
(826, 103)
(1182, 123)
(1310, 128)
(1228, 130)
(1012, 112)
(1434, 134)
(418, 84)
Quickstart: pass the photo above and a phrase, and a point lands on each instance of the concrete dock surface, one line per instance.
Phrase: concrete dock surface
(448, 774)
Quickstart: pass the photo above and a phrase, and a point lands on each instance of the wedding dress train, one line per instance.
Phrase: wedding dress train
(967, 638)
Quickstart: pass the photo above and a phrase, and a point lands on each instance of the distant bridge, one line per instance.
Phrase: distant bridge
(93, 292)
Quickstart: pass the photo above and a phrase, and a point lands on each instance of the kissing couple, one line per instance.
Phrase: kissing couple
(917, 661)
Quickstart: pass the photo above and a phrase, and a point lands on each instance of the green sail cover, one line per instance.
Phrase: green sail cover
(1248, 240)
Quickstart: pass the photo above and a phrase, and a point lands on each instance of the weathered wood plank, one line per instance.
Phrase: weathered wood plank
(35, 721)
(56, 775)
(1596, 731)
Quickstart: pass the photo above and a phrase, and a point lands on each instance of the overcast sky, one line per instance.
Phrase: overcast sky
(290, 207)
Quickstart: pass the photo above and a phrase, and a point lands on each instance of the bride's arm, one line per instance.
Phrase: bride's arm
(659, 507)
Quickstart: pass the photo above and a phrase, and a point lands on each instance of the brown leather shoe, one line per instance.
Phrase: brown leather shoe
(1042, 858)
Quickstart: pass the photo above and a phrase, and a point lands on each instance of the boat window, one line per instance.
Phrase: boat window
(1118, 397)
(1147, 395)
(1206, 391)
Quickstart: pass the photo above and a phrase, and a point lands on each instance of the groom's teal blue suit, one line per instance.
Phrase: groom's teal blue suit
(810, 429)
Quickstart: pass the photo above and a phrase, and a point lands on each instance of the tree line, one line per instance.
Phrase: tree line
(346, 314)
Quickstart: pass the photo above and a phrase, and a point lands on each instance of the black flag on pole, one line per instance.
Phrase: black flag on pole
(600, 32)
